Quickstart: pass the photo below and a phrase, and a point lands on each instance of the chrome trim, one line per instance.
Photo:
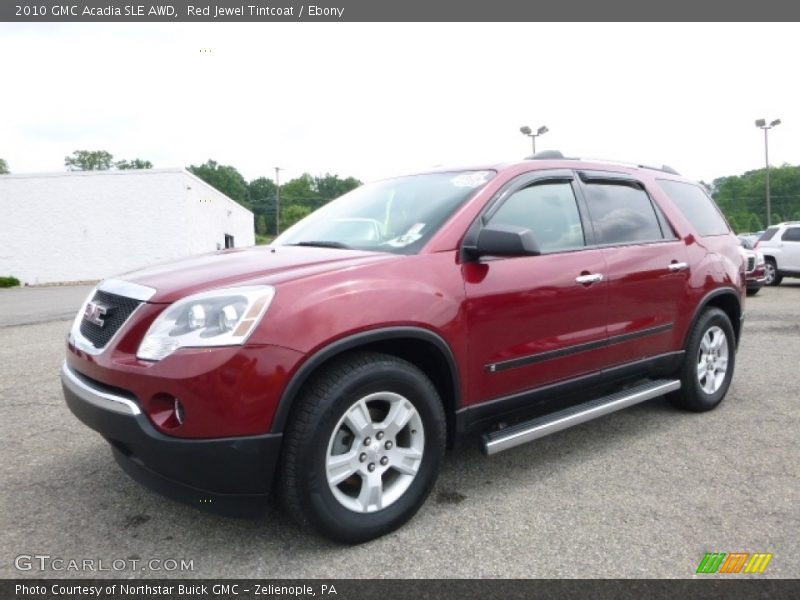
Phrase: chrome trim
(77, 339)
(678, 266)
(593, 278)
(95, 397)
(538, 428)
(110, 286)
(136, 291)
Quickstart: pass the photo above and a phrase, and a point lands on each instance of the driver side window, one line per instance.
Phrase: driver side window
(550, 211)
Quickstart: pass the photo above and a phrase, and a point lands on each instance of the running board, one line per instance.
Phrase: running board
(527, 431)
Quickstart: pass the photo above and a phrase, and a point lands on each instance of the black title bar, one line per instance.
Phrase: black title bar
(397, 10)
(710, 588)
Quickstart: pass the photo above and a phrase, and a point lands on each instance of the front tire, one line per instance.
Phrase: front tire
(771, 276)
(709, 362)
(363, 447)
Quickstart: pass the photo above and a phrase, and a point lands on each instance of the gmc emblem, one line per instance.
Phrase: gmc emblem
(95, 312)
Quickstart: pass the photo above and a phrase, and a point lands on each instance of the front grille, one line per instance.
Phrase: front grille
(751, 263)
(119, 308)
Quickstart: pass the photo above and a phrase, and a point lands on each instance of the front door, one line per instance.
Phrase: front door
(535, 320)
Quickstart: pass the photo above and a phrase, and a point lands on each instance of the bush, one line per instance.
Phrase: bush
(6, 282)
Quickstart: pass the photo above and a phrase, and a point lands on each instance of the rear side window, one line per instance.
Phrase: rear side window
(792, 234)
(768, 234)
(621, 214)
(698, 208)
(549, 210)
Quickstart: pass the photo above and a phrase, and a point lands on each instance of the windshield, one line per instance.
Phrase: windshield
(395, 215)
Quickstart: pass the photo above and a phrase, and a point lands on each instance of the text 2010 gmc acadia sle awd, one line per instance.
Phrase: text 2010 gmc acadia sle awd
(499, 303)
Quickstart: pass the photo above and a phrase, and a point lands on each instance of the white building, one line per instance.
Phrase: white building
(84, 226)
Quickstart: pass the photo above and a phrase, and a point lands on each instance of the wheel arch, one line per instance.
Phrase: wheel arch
(422, 347)
(727, 300)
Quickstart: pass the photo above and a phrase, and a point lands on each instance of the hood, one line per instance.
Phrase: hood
(246, 266)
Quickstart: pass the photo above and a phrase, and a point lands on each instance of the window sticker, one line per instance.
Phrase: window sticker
(409, 237)
(471, 180)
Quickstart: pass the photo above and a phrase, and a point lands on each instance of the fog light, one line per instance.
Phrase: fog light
(166, 411)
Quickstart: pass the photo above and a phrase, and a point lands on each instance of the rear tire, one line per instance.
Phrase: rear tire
(771, 276)
(708, 366)
(363, 447)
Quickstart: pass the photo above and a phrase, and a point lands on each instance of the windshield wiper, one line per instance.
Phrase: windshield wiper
(322, 244)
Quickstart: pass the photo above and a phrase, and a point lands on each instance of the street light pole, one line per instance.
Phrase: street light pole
(762, 123)
(766, 161)
(529, 132)
(277, 201)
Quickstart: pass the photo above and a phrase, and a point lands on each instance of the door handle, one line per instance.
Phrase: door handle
(588, 279)
(678, 266)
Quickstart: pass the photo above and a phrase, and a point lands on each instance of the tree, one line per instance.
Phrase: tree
(261, 196)
(330, 186)
(89, 160)
(4, 167)
(262, 225)
(300, 190)
(223, 177)
(743, 197)
(292, 213)
(136, 163)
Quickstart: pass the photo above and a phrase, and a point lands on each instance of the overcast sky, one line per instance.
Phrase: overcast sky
(373, 100)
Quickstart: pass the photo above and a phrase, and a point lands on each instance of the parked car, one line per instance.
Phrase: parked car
(755, 270)
(748, 240)
(510, 301)
(780, 245)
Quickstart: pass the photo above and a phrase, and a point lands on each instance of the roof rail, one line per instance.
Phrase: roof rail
(663, 168)
(545, 154)
(555, 154)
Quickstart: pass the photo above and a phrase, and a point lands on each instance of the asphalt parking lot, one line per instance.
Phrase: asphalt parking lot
(641, 493)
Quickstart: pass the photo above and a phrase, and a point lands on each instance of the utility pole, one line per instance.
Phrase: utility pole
(277, 201)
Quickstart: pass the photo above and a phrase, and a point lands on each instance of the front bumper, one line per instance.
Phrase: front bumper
(228, 475)
(756, 278)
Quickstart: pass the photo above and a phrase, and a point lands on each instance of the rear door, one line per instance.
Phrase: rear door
(647, 265)
(535, 320)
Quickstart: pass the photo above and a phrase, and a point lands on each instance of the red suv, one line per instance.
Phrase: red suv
(334, 366)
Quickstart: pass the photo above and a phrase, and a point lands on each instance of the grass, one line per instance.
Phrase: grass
(262, 240)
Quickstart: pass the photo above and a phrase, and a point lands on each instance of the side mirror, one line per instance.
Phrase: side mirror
(506, 240)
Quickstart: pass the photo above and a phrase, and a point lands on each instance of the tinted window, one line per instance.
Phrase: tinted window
(549, 210)
(698, 208)
(792, 234)
(621, 214)
(768, 234)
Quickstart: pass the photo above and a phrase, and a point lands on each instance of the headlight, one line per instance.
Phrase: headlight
(223, 317)
(760, 259)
